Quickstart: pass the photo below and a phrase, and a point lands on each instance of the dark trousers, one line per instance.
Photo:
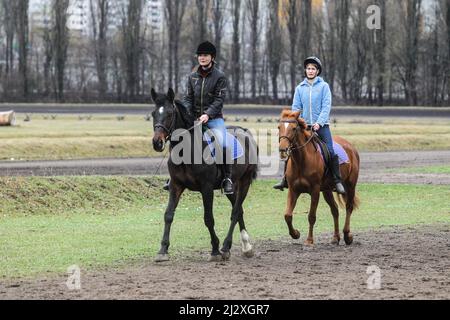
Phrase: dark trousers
(325, 134)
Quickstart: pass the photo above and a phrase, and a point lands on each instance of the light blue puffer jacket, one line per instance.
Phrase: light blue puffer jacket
(314, 102)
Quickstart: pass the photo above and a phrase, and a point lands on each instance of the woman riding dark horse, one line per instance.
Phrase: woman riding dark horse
(206, 92)
(174, 123)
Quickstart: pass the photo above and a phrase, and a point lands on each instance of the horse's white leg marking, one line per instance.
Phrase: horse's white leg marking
(247, 248)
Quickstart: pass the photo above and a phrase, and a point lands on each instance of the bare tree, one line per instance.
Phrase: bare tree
(48, 54)
(381, 53)
(23, 39)
(253, 8)
(131, 33)
(330, 44)
(447, 22)
(236, 50)
(60, 43)
(100, 10)
(411, 51)
(218, 8)
(292, 11)
(343, 15)
(9, 20)
(305, 38)
(274, 45)
(174, 11)
(201, 19)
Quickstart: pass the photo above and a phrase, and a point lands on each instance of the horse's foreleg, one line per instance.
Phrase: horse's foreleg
(175, 195)
(208, 201)
(315, 196)
(329, 198)
(291, 203)
(237, 216)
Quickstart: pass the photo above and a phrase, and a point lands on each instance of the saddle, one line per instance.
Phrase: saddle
(232, 142)
(325, 153)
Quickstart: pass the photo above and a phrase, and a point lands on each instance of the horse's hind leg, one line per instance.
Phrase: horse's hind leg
(348, 236)
(329, 198)
(175, 194)
(208, 199)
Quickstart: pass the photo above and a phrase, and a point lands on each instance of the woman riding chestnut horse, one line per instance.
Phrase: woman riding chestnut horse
(305, 169)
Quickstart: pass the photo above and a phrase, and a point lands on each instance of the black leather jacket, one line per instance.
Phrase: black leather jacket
(206, 95)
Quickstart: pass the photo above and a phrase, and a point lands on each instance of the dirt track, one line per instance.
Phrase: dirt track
(373, 167)
(414, 264)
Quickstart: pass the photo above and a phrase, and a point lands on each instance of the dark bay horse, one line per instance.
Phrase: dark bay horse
(306, 173)
(170, 117)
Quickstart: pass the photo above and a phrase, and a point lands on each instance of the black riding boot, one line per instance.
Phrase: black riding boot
(227, 183)
(283, 183)
(167, 185)
(335, 167)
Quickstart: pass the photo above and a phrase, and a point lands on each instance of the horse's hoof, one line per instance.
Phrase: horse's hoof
(335, 241)
(162, 258)
(216, 258)
(295, 235)
(309, 243)
(226, 255)
(248, 254)
(348, 238)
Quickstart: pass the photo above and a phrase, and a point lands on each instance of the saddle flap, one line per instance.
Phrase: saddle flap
(232, 143)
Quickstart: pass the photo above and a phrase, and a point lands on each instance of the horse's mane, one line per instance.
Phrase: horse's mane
(294, 115)
(186, 115)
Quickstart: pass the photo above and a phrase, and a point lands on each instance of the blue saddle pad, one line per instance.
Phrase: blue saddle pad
(233, 144)
(340, 151)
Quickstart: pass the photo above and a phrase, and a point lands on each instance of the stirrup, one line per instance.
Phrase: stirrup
(229, 192)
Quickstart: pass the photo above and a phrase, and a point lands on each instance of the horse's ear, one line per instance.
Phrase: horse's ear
(154, 95)
(171, 95)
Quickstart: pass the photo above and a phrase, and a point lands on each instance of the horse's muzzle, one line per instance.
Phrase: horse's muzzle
(284, 154)
(159, 145)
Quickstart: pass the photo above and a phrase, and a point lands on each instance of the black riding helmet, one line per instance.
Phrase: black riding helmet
(207, 48)
(316, 61)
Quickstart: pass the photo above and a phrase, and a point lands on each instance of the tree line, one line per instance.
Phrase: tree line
(396, 54)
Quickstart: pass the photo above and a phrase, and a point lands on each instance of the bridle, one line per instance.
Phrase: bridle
(293, 143)
(171, 129)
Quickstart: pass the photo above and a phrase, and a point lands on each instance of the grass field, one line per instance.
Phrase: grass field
(48, 224)
(68, 137)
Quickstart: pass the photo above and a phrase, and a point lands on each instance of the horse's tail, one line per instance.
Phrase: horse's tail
(343, 201)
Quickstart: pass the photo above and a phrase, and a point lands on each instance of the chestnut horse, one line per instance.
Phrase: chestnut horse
(306, 173)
